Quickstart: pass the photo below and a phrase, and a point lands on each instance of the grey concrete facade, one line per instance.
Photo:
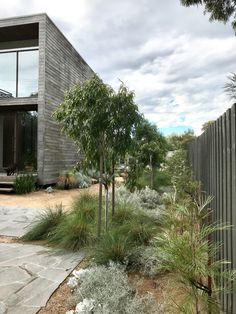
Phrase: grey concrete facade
(60, 67)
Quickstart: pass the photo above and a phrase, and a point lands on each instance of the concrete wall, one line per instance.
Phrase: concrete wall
(60, 67)
(63, 68)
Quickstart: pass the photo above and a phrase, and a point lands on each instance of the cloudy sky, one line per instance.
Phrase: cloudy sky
(174, 59)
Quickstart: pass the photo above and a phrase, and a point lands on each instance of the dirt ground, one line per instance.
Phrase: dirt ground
(42, 199)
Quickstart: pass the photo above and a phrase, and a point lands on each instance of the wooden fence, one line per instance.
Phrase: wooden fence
(212, 156)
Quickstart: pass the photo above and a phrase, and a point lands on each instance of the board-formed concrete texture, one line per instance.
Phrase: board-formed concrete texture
(29, 274)
(15, 220)
(60, 67)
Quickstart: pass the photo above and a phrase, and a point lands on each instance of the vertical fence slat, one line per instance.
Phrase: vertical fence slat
(213, 160)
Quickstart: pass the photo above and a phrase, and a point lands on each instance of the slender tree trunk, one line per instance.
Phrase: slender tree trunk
(151, 172)
(113, 188)
(106, 208)
(100, 196)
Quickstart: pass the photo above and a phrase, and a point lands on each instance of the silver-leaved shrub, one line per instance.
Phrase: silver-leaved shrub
(147, 200)
(109, 291)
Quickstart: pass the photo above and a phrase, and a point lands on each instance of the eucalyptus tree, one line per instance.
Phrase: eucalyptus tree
(151, 146)
(101, 122)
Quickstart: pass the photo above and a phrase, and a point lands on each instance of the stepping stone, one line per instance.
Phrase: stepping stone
(29, 274)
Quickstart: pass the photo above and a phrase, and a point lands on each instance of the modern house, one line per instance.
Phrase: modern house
(37, 65)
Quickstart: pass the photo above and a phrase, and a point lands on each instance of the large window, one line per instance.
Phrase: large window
(19, 73)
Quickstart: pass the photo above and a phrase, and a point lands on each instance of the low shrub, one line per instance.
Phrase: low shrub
(161, 179)
(123, 213)
(145, 199)
(70, 179)
(72, 233)
(44, 224)
(25, 183)
(113, 246)
(144, 259)
(85, 206)
(138, 233)
(107, 290)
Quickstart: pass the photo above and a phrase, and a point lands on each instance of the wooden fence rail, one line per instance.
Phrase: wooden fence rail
(213, 159)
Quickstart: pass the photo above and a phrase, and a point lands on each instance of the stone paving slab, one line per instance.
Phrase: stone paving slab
(29, 274)
(15, 220)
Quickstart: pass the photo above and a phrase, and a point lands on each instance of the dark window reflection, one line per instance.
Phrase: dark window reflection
(19, 74)
(18, 140)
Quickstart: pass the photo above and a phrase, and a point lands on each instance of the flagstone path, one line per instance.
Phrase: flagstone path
(29, 274)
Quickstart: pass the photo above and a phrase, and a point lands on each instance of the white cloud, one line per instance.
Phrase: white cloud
(172, 57)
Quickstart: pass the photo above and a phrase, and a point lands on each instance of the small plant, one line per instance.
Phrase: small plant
(107, 290)
(72, 233)
(149, 199)
(183, 248)
(85, 206)
(139, 233)
(44, 224)
(24, 183)
(113, 246)
(124, 213)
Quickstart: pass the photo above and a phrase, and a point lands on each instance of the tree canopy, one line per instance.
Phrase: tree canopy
(230, 86)
(220, 10)
(150, 143)
(181, 141)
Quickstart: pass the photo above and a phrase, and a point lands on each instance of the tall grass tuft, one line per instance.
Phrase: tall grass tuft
(113, 246)
(72, 234)
(85, 206)
(44, 224)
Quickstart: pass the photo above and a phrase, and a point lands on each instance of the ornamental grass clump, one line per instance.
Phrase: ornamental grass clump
(184, 248)
(44, 224)
(72, 234)
(107, 290)
(113, 246)
(77, 229)
(85, 206)
(25, 183)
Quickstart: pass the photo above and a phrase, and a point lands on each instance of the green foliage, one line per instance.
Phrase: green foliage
(150, 142)
(70, 231)
(44, 224)
(161, 179)
(72, 234)
(183, 248)
(180, 173)
(130, 228)
(123, 213)
(230, 86)
(177, 142)
(139, 233)
(24, 183)
(85, 206)
(104, 133)
(77, 229)
(221, 10)
(110, 289)
(149, 150)
(113, 246)
(206, 125)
